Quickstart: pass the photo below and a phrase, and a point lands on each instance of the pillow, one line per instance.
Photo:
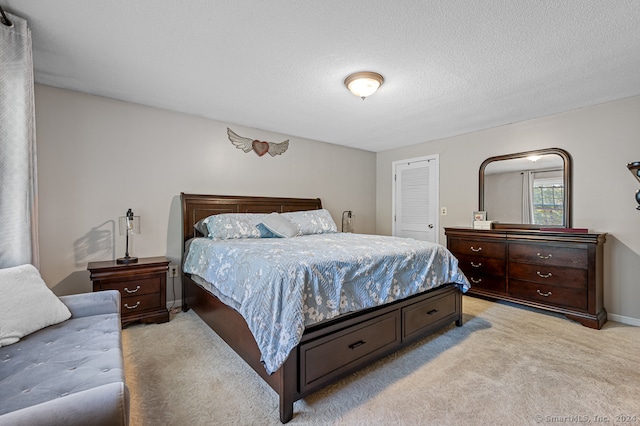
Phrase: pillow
(233, 225)
(313, 221)
(201, 227)
(279, 226)
(27, 304)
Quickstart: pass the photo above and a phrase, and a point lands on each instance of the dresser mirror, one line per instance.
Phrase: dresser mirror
(528, 189)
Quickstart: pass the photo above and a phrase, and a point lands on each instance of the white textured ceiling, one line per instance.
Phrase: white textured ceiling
(451, 67)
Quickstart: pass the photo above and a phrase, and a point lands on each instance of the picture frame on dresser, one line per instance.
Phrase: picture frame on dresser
(479, 215)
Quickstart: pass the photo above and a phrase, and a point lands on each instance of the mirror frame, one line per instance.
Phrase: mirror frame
(566, 158)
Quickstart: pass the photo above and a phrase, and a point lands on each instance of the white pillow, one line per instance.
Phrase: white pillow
(312, 221)
(280, 226)
(26, 304)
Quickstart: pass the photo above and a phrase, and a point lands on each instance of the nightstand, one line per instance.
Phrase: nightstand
(142, 286)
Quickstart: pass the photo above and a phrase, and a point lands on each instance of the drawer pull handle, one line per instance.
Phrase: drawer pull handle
(476, 265)
(544, 275)
(132, 307)
(476, 281)
(547, 294)
(476, 249)
(132, 291)
(544, 257)
(357, 344)
(433, 311)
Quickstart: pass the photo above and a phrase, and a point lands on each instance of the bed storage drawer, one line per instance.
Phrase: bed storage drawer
(422, 316)
(340, 353)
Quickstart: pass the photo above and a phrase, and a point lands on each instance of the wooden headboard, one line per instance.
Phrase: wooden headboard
(196, 207)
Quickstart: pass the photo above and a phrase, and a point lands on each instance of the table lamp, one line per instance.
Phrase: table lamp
(128, 225)
(634, 168)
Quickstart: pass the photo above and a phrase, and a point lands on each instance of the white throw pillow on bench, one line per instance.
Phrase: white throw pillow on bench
(26, 304)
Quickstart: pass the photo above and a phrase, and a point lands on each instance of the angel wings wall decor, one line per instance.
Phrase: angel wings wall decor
(259, 147)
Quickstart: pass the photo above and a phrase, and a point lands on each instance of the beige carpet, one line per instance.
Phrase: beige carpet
(507, 365)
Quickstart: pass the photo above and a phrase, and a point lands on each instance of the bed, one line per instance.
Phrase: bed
(335, 343)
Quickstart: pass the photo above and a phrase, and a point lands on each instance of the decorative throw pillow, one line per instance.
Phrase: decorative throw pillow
(26, 304)
(313, 221)
(233, 225)
(279, 226)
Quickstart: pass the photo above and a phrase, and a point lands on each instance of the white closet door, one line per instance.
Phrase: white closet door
(416, 199)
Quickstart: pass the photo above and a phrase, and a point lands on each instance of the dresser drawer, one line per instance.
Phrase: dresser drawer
(487, 282)
(549, 275)
(330, 356)
(471, 265)
(133, 286)
(135, 304)
(549, 294)
(539, 254)
(477, 248)
(420, 316)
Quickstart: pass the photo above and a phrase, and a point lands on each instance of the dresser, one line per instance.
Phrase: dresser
(142, 286)
(556, 271)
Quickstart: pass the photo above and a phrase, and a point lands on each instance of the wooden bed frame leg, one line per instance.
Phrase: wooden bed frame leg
(185, 305)
(288, 386)
(459, 302)
(286, 410)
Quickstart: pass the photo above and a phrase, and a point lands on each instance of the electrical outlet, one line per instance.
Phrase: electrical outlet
(443, 211)
(173, 271)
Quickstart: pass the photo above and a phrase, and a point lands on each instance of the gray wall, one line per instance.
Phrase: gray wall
(97, 157)
(601, 140)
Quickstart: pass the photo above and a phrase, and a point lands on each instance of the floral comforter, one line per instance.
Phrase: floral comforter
(282, 285)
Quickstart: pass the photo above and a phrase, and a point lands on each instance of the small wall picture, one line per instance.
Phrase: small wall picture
(480, 215)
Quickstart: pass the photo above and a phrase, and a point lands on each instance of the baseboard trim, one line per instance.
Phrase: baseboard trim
(624, 320)
(174, 304)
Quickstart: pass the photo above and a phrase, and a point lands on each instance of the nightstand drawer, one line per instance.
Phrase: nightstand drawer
(134, 304)
(137, 286)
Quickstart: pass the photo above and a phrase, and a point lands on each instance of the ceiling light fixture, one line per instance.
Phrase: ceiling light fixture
(363, 84)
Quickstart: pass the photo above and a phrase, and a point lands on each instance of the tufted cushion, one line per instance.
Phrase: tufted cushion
(61, 360)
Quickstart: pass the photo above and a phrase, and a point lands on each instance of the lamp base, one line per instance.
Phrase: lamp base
(126, 260)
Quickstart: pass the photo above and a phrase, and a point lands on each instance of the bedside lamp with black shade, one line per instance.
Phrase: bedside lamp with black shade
(634, 168)
(128, 225)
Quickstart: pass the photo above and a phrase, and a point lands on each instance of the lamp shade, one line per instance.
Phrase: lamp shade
(363, 84)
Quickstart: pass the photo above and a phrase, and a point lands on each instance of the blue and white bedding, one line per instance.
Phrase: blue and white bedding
(282, 285)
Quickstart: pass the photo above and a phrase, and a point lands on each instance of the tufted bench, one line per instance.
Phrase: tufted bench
(71, 373)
